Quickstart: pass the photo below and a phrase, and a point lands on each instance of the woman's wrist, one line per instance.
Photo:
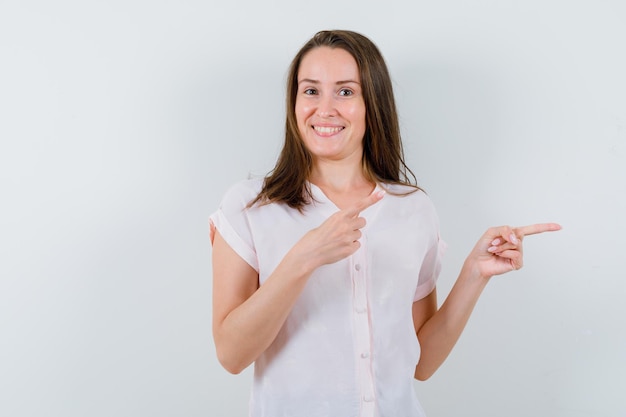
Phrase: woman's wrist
(472, 273)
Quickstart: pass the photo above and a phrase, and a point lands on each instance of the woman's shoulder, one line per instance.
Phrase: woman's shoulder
(243, 191)
(408, 195)
(401, 190)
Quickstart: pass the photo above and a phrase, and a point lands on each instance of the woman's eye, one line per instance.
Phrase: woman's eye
(345, 92)
(310, 91)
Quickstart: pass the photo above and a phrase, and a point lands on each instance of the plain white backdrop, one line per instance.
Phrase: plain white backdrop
(122, 123)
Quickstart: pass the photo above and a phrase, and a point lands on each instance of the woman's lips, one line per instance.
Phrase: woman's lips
(327, 130)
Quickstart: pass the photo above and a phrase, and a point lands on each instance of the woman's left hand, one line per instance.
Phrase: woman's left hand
(500, 249)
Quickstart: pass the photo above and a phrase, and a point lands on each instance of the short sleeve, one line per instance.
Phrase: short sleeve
(429, 272)
(433, 256)
(232, 222)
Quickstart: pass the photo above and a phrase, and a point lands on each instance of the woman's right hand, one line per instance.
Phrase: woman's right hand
(338, 237)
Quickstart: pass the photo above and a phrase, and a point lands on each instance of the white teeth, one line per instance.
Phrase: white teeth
(327, 130)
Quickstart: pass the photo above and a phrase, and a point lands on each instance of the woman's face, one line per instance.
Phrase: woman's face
(330, 109)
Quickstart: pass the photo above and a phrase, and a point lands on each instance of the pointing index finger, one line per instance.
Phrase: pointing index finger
(371, 199)
(534, 229)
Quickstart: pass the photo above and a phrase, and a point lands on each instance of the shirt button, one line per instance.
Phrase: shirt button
(361, 310)
(365, 355)
(357, 267)
(368, 398)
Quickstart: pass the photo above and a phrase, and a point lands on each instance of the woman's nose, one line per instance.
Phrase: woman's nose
(326, 106)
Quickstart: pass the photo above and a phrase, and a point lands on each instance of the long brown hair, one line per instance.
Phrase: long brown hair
(383, 155)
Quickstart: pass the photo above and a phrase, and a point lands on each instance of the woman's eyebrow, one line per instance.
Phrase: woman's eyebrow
(310, 81)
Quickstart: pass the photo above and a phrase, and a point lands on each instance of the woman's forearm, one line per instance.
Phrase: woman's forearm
(440, 333)
(246, 330)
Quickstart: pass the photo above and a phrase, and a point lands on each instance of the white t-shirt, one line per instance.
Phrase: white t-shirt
(348, 348)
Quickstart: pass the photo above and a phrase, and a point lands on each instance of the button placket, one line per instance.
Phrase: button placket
(362, 331)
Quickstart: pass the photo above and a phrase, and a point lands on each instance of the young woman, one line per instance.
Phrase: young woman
(324, 271)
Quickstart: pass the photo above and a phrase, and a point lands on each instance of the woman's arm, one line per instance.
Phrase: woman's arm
(498, 251)
(247, 317)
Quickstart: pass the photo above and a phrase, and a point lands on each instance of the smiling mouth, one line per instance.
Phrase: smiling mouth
(327, 131)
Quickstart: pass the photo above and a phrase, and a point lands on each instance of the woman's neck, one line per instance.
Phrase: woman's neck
(344, 184)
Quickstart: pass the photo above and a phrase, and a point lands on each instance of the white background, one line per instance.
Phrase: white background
(122, 123)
